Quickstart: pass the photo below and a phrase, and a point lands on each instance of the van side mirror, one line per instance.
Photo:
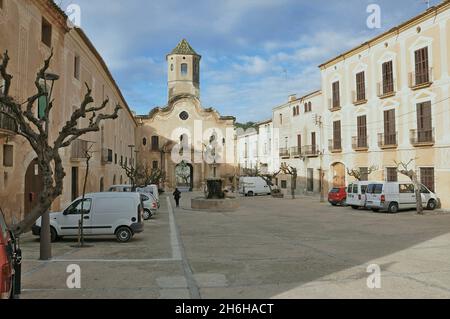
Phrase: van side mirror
(66, 212)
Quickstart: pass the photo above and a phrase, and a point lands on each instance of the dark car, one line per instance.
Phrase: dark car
(337, 196)
(6, 261)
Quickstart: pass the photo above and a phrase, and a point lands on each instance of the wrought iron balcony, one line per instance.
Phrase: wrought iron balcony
(79, 150)
(360, 143)
(335, 145)
(296, 151)
(359, 98)
(387, 140)
(334, 105)
(422, 79)
(386, 88)
(284, 152)
(422, 137)
(8, 125)
(310, 151)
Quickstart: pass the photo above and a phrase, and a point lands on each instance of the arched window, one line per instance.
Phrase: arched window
(114, 180)
(184, 69)
(102, 186)
(294, 111)
(121, 180)
(310, 107)
(298, 109)
(306, 107)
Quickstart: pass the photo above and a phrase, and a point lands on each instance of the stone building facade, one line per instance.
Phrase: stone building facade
(29, 29)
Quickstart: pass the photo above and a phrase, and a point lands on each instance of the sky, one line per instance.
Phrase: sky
(255, 53)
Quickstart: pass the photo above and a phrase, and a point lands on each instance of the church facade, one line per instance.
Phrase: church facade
(189, 142)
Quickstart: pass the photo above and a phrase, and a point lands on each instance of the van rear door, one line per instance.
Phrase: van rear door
(373, 195)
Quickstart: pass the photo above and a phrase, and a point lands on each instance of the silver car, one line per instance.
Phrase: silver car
(150, 205)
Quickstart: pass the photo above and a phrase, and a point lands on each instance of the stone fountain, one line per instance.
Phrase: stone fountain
(215, 199)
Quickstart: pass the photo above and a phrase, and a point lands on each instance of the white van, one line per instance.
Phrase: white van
(253, 186)
(119, 214)
(356, 194)
(120, 188)
(395, 196)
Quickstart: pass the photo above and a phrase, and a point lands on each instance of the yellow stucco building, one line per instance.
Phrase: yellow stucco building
(388, 100)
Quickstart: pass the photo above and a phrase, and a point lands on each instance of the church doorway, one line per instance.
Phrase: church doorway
(34, 185)
(184, 175)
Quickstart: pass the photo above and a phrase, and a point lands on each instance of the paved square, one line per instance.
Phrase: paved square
(270, 248)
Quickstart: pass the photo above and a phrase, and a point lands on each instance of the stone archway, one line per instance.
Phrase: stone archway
(34, 185)
(338, 174)
(184, 176)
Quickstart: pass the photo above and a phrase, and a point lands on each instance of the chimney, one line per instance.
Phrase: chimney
(292, 97)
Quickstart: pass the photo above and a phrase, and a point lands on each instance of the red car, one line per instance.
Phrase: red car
(6, 261)
(337, 196)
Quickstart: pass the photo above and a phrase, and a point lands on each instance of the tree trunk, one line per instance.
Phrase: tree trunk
(417, 186)
(293, 185)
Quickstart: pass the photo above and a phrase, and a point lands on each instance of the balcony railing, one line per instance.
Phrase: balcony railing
(310, 151)
(360, 143)
(334, 105)
(422, 137)
(8, 125)
(79, 149)
(421, 79)
(284, 152)
(296, 151)
(386, 88)
(387, 140)
(107, 156)
(335, 145)
(359, 97)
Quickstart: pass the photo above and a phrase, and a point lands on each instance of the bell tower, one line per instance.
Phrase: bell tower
(183, 71)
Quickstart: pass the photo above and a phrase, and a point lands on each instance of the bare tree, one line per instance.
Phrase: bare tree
(290, 170)
(36, 130)
(403, 168)
(357, 173)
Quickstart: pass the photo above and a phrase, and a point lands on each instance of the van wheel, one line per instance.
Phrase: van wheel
(355, 207)
(431, 204)
(393, 208)
(124, 234)
(375, 210)
(53, 235)
(147, 214)
(251, 194)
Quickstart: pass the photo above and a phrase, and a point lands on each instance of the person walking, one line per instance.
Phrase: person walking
(177, 196)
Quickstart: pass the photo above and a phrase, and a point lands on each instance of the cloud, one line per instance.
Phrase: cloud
(255, 52)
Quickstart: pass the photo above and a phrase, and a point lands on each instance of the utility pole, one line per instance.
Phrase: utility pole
(319, 123)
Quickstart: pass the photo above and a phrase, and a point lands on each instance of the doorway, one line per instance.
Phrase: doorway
(184, 175)
(34, 185)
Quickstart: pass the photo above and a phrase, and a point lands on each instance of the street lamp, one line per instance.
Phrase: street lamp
(45, 241)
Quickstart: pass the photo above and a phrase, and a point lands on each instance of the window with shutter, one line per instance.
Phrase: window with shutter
(388, 77)
(362, 131)
(427, 177)
(424, 122)
(421, 66)
(360, 87)
(336, 95)
(390, 135)
(392, 174)
(337, 135)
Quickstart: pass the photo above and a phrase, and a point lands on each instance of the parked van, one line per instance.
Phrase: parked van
(252, 186)
(395, 196)
(356, 194)
(120, 188)
(119, 214)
